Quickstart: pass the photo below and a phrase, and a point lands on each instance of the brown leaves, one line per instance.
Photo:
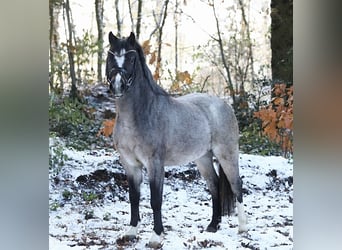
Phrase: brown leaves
(107, 128)
(183, 79)
(277, 117)
(153, 57)
(146, 46)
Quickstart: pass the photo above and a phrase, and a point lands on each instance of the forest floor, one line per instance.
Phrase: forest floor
(89, 206)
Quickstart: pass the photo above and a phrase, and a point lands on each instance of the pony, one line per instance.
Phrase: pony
(154, 129)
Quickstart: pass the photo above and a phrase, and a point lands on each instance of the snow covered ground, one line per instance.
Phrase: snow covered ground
(89, 206)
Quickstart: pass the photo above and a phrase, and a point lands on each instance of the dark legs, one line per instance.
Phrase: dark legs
(134, 175)
(156, 188)
(206, 168)
(229, 160)
(134, 197)
(156, 178)
(231, 171)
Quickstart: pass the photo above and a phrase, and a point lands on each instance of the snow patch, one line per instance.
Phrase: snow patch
(93, 211)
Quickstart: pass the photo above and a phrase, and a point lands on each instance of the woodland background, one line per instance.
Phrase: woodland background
(240, 50)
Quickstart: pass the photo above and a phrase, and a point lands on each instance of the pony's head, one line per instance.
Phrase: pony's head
(121, 63)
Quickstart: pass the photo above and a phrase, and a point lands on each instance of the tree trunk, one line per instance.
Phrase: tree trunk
(176, 39)
(99, 21)
(118, 21)
(282, 41)
(54, 11)
(131, 14)
(137, 34)
(160, 38)
(138, 18)
(52, 49)
(71, 48)
(249, 42)
(223, 57)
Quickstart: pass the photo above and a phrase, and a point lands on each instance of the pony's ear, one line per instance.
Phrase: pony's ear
(112, 38)
(131, 39)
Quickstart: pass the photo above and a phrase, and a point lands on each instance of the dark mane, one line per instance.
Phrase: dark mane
(147, 72)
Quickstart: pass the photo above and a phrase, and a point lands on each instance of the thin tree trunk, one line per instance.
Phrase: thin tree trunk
(52, 50)
(54, 11)
(99, 21)
(251, 58)
(73, 92)
(118, 21)
(176, 39)
(131, 14)
(137, 34)
(160, 38)
(223, 57)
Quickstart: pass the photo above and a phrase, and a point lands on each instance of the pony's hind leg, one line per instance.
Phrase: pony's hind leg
(206, 168)
(229, 162)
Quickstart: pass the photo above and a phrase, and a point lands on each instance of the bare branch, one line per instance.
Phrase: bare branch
(223, 57)
(131, 14)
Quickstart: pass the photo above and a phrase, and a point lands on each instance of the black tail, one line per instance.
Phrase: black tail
(227, 197)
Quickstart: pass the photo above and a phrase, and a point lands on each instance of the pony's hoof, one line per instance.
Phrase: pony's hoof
(211, 229)
(243, 224)
(132, 232)
(125, 239)
(156, 241)
(243, 228)
(128, 237)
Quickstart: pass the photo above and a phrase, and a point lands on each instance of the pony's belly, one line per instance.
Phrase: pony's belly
(185, 156)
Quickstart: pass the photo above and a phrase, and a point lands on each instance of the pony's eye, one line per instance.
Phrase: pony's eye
(131, 59)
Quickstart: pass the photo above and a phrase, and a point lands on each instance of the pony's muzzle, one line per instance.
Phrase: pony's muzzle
(117, 86)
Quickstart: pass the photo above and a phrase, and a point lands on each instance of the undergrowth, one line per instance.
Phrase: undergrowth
(73, 120)
(252, 141)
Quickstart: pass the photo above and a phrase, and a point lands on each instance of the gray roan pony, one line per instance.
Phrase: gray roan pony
(155, 130)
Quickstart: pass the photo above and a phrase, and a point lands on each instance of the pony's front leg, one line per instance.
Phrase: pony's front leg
(134, 181)
(156, 179)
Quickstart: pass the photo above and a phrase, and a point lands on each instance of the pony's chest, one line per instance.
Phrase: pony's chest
(127, 143)
(125, 136)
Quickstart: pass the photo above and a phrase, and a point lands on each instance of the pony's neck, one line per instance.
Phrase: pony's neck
(138, 100)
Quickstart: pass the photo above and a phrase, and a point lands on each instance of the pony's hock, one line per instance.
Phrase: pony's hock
(155, 130)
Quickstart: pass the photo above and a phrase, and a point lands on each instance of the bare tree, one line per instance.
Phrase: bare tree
(54, 11)
(70, 48)
(160, 22)
(99, 22)
(176, 17)
(225, 63)
(131, 14)
(118, 20)
(53, 43)
(137, 33)
(249, 41)
(138, 18)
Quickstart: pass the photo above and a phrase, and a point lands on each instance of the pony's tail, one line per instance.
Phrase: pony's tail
(227, 197)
